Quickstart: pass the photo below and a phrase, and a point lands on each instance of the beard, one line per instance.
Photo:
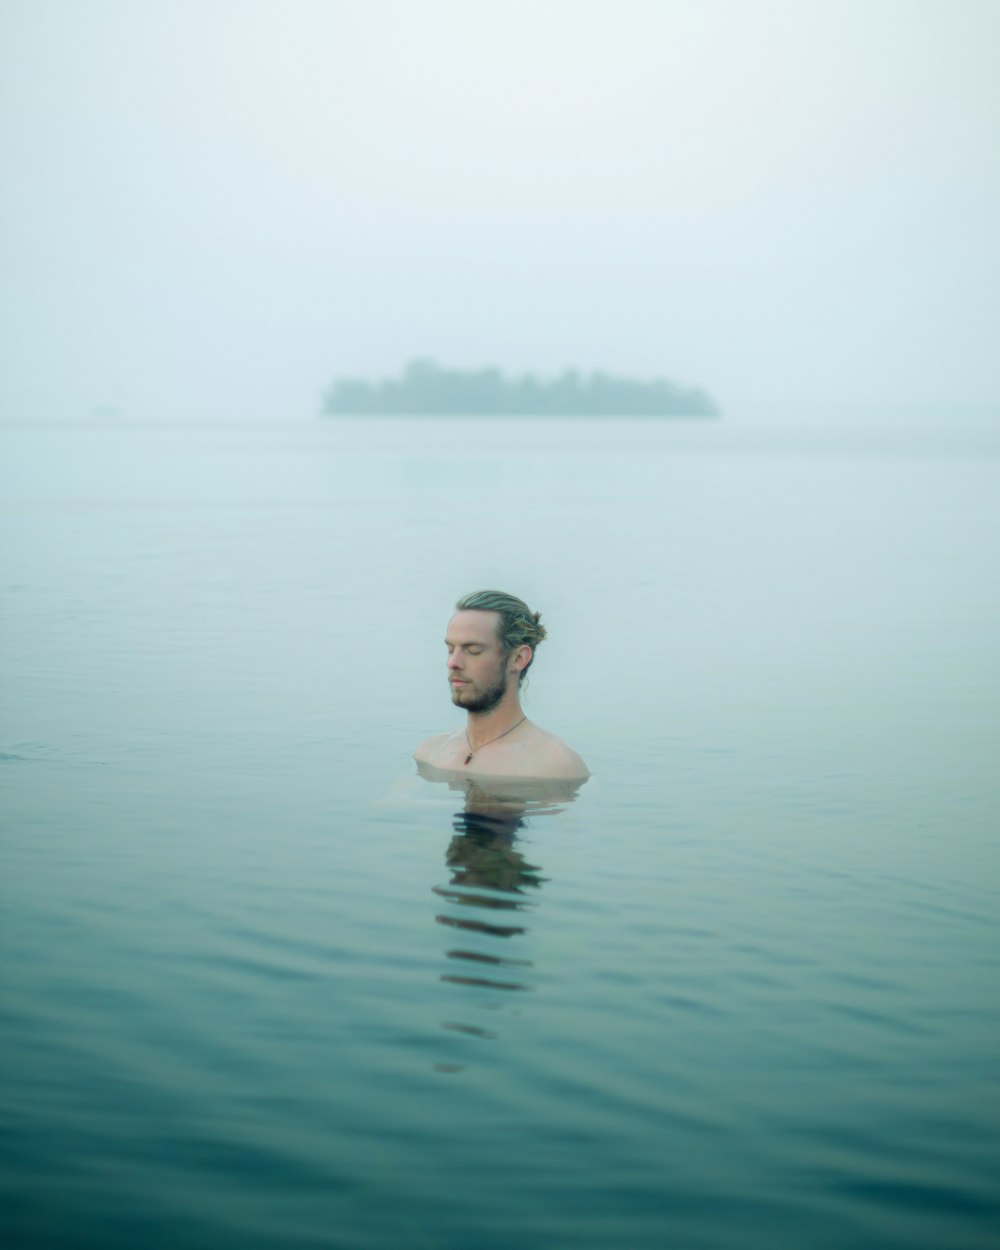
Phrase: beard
(483, 700)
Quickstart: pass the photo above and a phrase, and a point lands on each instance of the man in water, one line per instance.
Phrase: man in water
(491, 644)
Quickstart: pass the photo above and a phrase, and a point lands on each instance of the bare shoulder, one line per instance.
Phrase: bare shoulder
(559, 759)
(532, 753)
(432, 750)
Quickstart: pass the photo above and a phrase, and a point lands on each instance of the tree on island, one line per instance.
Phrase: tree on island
(426, 389)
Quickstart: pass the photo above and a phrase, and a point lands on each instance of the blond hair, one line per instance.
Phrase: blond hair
(518, 625)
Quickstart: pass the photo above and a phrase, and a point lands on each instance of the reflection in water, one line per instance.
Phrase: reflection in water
(492, 884)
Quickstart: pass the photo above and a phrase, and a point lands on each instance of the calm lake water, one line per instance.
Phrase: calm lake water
(264, 986)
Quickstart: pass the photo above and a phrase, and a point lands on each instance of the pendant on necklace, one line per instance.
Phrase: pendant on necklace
(468, 757)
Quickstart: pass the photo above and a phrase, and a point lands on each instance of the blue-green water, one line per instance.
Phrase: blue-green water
(263, 986)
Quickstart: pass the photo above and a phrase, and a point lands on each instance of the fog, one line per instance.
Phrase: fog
(213, 209)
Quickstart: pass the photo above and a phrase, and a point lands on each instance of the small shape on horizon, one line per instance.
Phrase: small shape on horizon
(427, 389)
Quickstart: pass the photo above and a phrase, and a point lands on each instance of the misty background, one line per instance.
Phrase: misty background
(211, 210)
(257, 998)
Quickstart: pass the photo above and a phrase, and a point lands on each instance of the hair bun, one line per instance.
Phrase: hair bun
(518, 625)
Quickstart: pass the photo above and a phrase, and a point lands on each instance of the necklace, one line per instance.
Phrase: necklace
(473, 750)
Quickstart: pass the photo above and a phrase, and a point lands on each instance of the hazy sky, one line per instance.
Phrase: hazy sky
(211, 207)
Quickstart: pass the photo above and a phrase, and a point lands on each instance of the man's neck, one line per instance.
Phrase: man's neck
(483, 727)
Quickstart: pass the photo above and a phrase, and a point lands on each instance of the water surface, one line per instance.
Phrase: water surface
(267, 986)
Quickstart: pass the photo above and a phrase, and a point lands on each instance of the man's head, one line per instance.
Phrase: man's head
(491, 637)
(516, 625)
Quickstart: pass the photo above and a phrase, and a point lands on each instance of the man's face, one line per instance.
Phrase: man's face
(478, 671)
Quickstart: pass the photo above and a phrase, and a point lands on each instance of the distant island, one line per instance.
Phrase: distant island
(426, 389)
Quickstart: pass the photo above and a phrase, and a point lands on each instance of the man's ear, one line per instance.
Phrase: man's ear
(521, 658)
